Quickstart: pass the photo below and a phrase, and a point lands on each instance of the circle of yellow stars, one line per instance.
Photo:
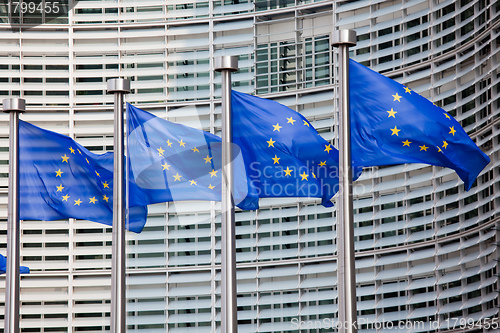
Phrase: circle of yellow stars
(276, 160)
(178, 177)
(395, 131)
(59, 174)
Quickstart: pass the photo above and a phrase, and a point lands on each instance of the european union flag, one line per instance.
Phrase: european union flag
(391, 124)
(3, 266)
(61, 179)
(170, 161)
(277, 154)
(284, 155)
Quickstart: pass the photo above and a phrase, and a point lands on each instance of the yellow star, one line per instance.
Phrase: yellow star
(93, 200)
(407, 90)
(445, 144)
(439, 149)
(322, 163)
(213, 173)
(424, 148)
(71, 150)
(277, 127)
(60, 188)
(166, 166)
(452, 130)
(446, 115)
(406, 143)
(77, 202)
(271, 142)
(314, 176)
(328, 148)
(86, 159)
(395, 130)
(160, 151)
(195, 150)
(208, 159)
(192, 182)
(105, 184)
(59, 173)
(211, 186)
(182, 144)
(396, 97)
(304, 176)
(177, 177)
(65, 158)
(65, 197)
(169, 143)
(392, 113)
(306, 123)
(290, 120)
(79, 151)
(288, 172)
(97, 173)
(105, 198)
(276, 159)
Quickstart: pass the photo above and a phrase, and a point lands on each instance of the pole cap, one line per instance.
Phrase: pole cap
(226, 63)
(344, 37)
(14, 105)
(118, 86)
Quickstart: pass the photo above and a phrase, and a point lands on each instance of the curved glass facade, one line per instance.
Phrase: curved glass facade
(426, 249)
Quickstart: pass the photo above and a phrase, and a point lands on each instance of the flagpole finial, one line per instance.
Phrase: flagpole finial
(344, 37)
(14, 105)
(118, 86)
(226, 63)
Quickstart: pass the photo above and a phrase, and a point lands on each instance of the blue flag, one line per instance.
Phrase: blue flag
(61, 179)
(3, 266)
(277, 154)
(173, 162)
(284, 155)
(391, 124)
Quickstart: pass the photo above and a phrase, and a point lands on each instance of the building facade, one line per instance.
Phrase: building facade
(426, 249)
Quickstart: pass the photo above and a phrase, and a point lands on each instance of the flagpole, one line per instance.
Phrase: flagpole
(14, 106)
(229, 316)
(343, 39)
(118, 87)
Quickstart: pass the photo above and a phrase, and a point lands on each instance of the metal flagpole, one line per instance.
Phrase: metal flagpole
(343, 39)
(118, 87)
(14, 106)
(229, 316)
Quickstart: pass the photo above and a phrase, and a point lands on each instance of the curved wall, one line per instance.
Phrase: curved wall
(426, 249)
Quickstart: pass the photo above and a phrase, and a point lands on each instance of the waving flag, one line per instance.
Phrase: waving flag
(284, 155)
(170, 162)
(61, 179)
(391, 124)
